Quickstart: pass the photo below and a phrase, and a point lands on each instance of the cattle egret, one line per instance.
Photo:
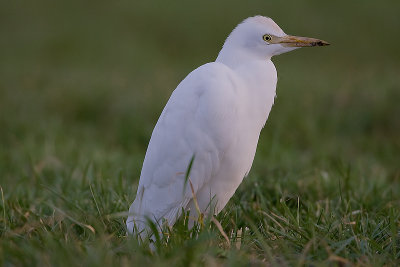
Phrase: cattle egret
(212, 122)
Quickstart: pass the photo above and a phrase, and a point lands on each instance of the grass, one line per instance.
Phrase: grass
(82, 85)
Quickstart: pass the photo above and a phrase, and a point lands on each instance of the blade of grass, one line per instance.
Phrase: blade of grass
(4, 207)
(91, 228)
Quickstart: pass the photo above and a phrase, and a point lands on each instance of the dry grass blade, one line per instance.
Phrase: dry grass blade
(238, 242)
(74, 220)
(97, 205)
(196, 204)
(219, 226)
(4, 207)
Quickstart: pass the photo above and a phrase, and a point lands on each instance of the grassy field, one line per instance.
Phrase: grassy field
(83, 83)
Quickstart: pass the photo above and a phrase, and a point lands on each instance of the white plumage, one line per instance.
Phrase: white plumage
(215, 114)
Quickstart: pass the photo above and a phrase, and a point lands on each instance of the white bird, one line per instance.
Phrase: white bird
(214, 117)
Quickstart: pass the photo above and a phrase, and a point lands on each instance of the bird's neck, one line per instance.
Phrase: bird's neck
(234, 58)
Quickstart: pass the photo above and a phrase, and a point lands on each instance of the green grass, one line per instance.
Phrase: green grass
(82, 85)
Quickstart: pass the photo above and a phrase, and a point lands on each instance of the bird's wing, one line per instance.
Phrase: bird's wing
(196, 122)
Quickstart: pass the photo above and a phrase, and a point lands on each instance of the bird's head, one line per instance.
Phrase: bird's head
(261, 37)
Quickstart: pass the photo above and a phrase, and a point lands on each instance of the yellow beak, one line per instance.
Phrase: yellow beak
(297, 41)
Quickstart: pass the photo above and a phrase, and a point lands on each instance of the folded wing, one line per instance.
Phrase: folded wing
(198, 121)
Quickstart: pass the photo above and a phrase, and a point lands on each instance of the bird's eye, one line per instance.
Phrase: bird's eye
(267, 37)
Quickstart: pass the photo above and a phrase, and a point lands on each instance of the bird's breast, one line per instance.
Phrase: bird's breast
(255, 97)
(259, 79)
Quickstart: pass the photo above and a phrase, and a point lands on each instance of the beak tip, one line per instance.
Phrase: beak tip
(323, 43)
